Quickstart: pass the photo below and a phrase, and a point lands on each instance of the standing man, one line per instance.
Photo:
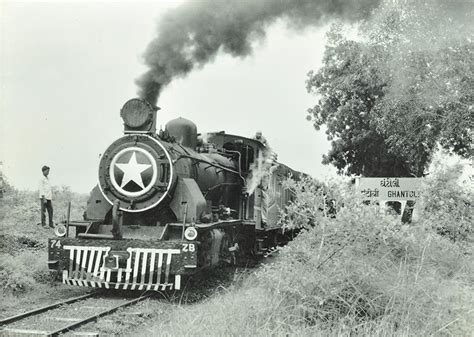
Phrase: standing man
(46, 194)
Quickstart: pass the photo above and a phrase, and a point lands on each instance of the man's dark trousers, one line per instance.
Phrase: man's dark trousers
(46, 206)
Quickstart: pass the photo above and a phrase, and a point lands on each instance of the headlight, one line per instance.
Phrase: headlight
(136, 113)
(190, 233)
(60, 230)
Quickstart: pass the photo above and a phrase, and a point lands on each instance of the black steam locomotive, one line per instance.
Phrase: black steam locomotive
(171, 203)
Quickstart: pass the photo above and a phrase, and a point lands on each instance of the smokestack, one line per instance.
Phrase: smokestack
(191, 35)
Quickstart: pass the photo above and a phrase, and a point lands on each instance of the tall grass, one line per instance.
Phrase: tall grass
(363, 272)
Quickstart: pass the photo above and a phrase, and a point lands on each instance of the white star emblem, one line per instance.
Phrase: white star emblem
(132, 171)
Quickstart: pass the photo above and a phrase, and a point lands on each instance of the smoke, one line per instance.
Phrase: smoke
(191, 35)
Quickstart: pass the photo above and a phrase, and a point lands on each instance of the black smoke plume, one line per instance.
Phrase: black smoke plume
(191, 35)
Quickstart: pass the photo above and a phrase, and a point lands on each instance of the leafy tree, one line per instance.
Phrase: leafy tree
(388, 98)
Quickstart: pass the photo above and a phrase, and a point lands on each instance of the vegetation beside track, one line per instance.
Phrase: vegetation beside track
(361, 273)
(24, 275)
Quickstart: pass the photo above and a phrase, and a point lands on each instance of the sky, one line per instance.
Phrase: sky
(68, 67)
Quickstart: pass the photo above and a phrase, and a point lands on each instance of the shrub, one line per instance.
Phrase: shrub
(447, 197)
(23, 272)
(365, 269)
(312, 202)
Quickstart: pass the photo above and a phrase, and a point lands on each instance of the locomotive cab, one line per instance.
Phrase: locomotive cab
(245, 149)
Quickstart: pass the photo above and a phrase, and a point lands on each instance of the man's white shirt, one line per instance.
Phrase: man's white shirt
(45, 188)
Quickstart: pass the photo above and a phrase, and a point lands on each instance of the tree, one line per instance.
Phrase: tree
(389, 98)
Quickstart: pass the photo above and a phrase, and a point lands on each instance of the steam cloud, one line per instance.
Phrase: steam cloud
(191, 35)
(263, 167)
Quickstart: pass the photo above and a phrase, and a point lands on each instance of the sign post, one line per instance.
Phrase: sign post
(385, 189)
(389, 188)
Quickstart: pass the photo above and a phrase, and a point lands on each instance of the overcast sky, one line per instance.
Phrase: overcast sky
(67, 68)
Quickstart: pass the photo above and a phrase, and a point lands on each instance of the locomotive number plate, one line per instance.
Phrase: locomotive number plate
(55, 243)
(188, 247)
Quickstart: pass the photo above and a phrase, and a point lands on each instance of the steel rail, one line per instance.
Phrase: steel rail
(96, 316)
(45, 308)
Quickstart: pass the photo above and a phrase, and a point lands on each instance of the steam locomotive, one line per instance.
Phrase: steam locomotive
(169, 204)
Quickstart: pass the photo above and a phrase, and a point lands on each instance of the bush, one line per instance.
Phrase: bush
(367, 270)
(23, 272)
(447, 197)
(312, 202)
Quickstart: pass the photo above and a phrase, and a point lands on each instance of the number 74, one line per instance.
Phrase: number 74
(55, 243)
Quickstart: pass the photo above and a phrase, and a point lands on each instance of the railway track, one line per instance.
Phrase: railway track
(64, 316)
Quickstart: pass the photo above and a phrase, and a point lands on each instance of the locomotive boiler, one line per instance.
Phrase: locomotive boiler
(170, 203)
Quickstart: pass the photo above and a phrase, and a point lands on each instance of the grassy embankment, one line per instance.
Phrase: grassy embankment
(362, 273)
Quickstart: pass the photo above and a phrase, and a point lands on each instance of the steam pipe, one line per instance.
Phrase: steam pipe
(240, 159)
(210, 163)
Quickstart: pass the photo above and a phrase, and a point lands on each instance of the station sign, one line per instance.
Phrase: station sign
(389, 188)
